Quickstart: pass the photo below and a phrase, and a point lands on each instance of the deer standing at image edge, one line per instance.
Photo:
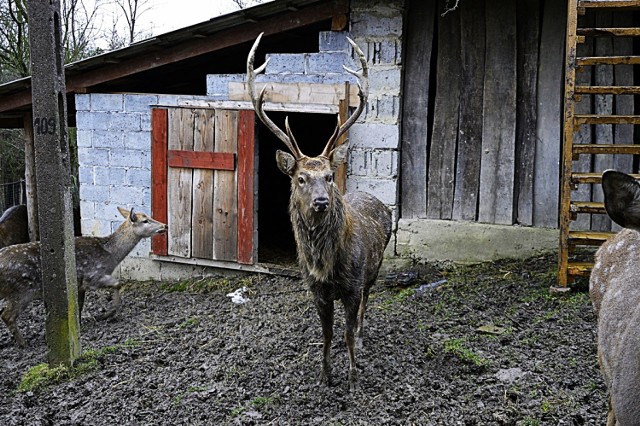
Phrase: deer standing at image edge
(614, 289)
(96, 259)
(340, 240)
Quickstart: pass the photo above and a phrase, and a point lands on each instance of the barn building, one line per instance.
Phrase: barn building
(461, 135)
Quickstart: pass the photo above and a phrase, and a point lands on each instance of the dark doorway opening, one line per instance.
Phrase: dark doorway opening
(276, 243)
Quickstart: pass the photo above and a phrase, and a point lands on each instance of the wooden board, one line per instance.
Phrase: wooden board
(201, 159)
(179, 183)
(623, 104)
(467, 185)
(528, 38)
(202, 212)
(225, 195)
(159, 127)
(499, 109)
(444, 136)
(546, 186)
(603, 105)
(247, 241)
(296, 93)
(420, 27)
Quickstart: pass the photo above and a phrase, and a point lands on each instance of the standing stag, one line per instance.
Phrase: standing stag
(614, 288)
(340, 240)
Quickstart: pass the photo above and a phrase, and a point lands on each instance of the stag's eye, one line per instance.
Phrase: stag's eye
(301, 180)
(145, 221)
(329, 178)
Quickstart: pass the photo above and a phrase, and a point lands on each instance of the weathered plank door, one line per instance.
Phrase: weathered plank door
(203, 183)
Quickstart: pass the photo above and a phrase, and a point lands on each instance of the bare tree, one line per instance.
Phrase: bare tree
(243, 4)
(14, 40)
(132, 10)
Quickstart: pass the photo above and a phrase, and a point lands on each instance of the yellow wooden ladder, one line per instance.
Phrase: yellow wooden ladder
(570, 207)
(578, 31)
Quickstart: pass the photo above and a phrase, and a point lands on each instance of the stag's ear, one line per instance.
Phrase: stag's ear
(622, 199)
(339, 155)
(286, 162)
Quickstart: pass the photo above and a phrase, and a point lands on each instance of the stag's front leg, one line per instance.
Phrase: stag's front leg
(325, 312)
(351, 317)
(116, 300)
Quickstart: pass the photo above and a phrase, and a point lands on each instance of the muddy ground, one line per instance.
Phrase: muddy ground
(488, 346)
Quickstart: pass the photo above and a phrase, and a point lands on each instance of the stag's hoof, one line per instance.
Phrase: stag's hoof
(325, 378)
(354, 385)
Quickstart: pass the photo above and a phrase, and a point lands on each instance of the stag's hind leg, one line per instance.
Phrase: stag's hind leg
(364, 300)
(352, 318)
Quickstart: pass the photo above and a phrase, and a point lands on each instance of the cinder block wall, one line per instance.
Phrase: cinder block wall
(114, 130)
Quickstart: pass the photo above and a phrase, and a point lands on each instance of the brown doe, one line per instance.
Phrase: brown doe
(614, 289)
(96, 259)
(340, 240)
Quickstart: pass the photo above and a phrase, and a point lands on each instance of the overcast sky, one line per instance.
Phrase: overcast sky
(168, 15)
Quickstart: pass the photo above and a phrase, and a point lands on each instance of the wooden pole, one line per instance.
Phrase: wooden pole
(53, 178)
(30, 177)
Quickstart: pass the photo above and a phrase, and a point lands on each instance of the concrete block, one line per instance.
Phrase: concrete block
(113, 139)
(138, 177)
(125, 195)
(374, 136)
(146, 196)
(108, 212)
(285, 63)
(138, 140)
(139, 103)
(386, 80)
(385, 23)
(87, 120)
(107, 102)
(385, 163)
(83, 138)
(95, 227)
(96, 193)
(383, 108)
(109, 176)
(333, 41)
(218, 84)
(328, 62)
(83, 102)
(384, 189)
(127, 158)
(85, 175)
(359, 162)
(93, 156)
(145, 122)
(125, 121)
(87, 209)
(469, 242)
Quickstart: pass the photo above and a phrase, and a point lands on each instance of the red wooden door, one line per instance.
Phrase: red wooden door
(203, 183)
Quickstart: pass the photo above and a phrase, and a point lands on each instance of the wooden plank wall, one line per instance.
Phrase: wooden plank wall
(483, 106)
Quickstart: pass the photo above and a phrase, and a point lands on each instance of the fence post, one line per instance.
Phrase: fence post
(53, 178)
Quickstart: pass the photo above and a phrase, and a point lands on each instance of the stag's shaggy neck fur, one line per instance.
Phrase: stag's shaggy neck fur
(320, 236)
(121, 242)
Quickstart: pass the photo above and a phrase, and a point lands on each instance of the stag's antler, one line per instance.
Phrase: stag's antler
(287, 138)
(258, 102)
(363, 93)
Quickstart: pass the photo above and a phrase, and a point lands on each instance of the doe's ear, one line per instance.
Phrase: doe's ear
(124, 212)
(286, 162)
(339, 155)
(622, 199)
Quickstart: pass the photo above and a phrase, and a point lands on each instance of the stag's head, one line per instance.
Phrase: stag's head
(312, 178)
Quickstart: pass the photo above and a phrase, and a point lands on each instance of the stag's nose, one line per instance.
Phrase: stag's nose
(320, 204)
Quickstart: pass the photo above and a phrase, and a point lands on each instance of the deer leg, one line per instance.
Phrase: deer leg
(10, 315)
(116, 300)
(361, 310)
(325, 312)
(81, 293)
(351, 316)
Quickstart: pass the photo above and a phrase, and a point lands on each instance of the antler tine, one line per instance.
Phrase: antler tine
(363, 94)
(258, 101)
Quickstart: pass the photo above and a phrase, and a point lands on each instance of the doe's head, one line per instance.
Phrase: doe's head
(142, 225)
